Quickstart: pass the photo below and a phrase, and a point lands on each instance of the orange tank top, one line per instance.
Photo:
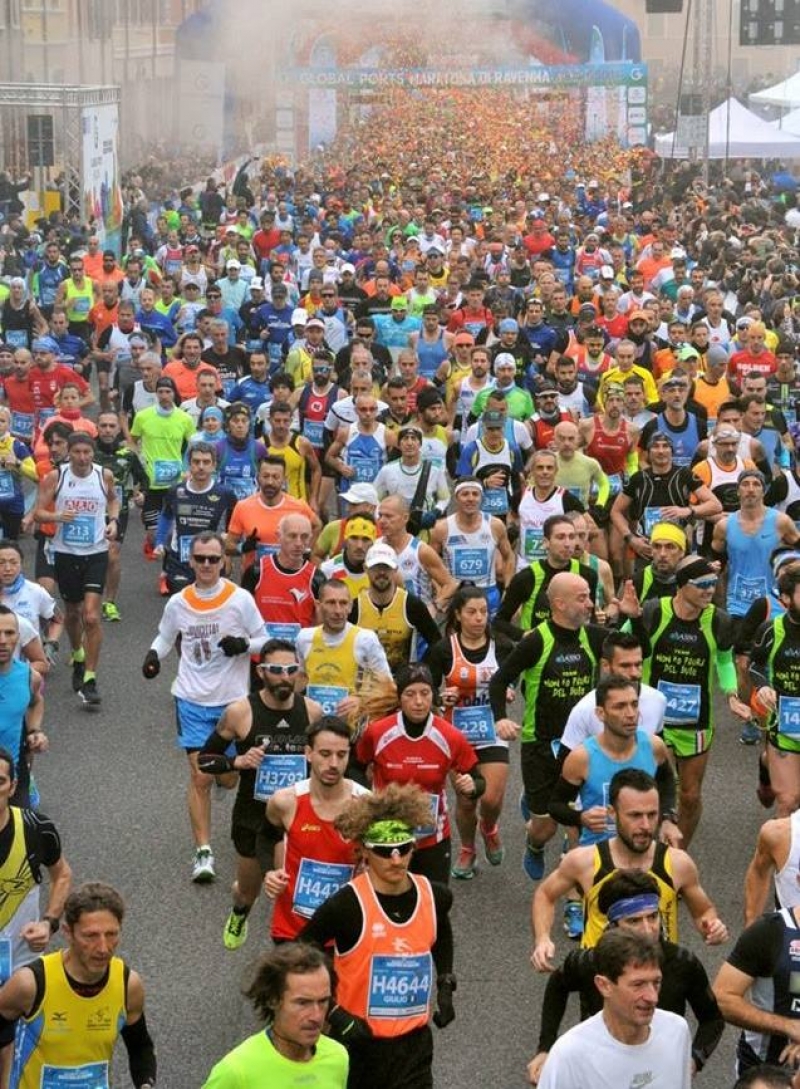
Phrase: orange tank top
(387, 978)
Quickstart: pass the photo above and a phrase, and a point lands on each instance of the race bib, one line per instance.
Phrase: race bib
(476, 724)
(16, 338)
(532, 542)
(366, 470)
(748, 590)
(166, 472)
(263, 550)
(615, 483)
(399, 986)
(329, 696)
(184, 549)
(317, 882)
(90, 1076)
(425, 830)
(6, 960)
(22, 423)
(6, 484)
(282, 631)
(313, 431)
(241, 486)
(470, 563)
(81, 305)
(789, 716)
(651, 517)
(495, 501)
(80, 531)
(276, 771)
(683, 703)
(119, 493)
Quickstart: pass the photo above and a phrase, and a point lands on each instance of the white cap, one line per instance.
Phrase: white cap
(233, 263)
(381, 553)
(677, 254)
(361, 493)
(299, 316)
(347, 267)
(256, 282)
(606, 272)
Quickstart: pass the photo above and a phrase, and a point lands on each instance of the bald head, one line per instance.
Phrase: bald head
(294, 536)
(570, 600)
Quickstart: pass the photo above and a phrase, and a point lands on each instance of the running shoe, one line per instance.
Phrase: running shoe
(110, 611)
(492, 845)
(203, 870)
(750, 735)
(235, 932)
(89, 693)
(163, 589)
(78, 670)
(465, 865)
(148, 551)
(533, 861)
(573, 920)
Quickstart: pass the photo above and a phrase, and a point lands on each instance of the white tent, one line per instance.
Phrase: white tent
(790, 122)
(736, 133)
(786, 93)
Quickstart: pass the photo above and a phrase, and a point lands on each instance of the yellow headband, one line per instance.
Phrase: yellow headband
(668, 531)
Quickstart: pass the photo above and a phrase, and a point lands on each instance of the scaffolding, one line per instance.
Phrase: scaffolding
(65, 104)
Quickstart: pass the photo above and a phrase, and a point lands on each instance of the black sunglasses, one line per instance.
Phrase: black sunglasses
(387, 850)
(207, 559)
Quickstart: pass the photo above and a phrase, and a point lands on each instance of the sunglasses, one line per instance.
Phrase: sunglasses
(210, 296)
(327, 295)
(703, 584)
(207, 559)
(388, 850)
(274, 669)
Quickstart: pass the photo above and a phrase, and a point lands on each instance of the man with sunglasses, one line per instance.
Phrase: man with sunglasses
(219, 627)
(269, 731)
(393, 944)
(691, 646)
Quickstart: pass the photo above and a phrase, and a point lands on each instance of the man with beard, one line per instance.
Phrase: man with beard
(633, 796)
(269, 732)
(668, 547)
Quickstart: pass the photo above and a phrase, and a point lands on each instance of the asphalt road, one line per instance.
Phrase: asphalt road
(115, 784)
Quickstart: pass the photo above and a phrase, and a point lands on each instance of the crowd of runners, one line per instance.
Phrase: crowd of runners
(443, 461)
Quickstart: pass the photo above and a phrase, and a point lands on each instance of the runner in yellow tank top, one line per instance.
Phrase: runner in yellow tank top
(303, 472)
(74, 1003)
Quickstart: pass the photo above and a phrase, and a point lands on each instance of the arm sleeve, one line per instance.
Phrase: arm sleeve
(665, 783)
(517, 593)
(556, 995)
(339, 919)
(141, 1052)
(421, 619)
(560, 808)
(524, 655)
(710, 1023)
(439, 661)
(443, 947)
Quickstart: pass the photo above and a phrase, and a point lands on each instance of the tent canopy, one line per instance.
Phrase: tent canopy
(790, 122)
(786, 93)
(736, 133)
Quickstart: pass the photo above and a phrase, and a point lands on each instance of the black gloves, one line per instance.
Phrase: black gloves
(250, 543)
(445, 1013)
(214, 763)
(151, 666)
(347, 1028)
(231, 645)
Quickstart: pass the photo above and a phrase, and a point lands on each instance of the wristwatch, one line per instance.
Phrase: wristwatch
(54, 921)
(670, 815)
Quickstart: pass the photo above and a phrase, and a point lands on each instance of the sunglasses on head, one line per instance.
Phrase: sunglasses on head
(207, 559)
(275, 669)
(387, 850)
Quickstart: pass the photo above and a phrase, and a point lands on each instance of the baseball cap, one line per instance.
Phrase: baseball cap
(347, 267)
(257, 284)
(299, 316)
(508, 325)
(677, 254)
(360, 527)
(233, 263)
(660, 436)
(464, 338)
(361, 493)
(381, 555)
(434, 251)
(745, 322)
(493, 419)
(191, 282)
(606, 272)
(399, 302)
(638, 315)
(687, 351)
(166, 381)
(315, 323)
(726, 434)
(587, 311)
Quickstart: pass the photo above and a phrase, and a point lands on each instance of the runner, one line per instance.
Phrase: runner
(219, 625)
(96, 995)
(80, 498)
(386, 925)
